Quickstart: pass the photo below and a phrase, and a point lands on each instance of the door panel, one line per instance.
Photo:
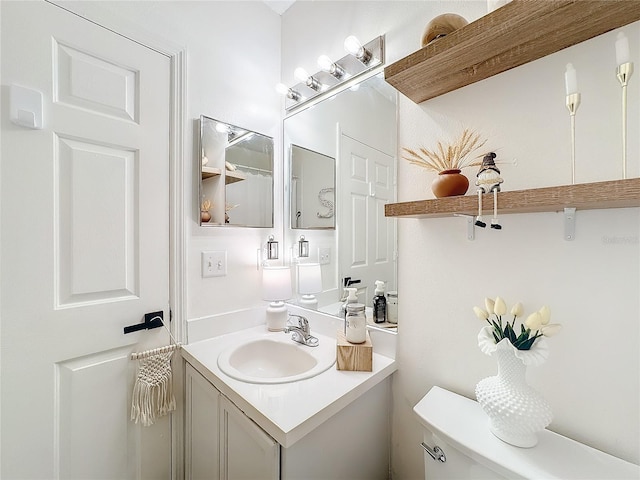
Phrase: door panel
(83, 275)
(85, 247)
(90, 82)
(81, 379)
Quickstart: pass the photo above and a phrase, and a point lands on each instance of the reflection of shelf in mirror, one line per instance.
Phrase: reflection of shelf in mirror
(235, 176)
(585, 196)
(230, 177)
(210, 172)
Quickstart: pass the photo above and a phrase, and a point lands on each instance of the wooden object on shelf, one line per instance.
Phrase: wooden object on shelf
(354, 357)
(230, 176)
(585, 196)
(517, 33)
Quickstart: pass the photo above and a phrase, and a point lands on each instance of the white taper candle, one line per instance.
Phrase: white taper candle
(571, 79)
(622, 49)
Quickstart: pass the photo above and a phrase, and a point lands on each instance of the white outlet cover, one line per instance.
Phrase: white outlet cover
(214, 264)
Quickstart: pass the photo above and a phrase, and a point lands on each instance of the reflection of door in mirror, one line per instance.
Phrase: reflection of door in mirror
(312, 189)
(236, 184)
(367, 243)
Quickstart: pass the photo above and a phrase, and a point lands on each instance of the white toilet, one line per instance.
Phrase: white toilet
(458, 445)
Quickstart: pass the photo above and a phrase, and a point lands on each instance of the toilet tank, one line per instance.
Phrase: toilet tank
(460, 428)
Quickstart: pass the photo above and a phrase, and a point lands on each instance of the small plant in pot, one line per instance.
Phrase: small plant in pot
(448, 159)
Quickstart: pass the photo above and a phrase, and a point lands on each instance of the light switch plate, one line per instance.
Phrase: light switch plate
(324, 255)
(214, 264)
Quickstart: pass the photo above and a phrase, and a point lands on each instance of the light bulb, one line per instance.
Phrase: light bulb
(301, 74)
(328, 66)
(282, 89)
(325, 63)
(353, 46)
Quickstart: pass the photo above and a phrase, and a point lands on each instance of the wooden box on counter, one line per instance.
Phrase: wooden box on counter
(354, 357)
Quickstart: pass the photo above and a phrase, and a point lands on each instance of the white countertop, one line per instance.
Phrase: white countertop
(286, 411)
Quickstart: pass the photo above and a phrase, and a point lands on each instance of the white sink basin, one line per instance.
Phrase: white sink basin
(275, 358)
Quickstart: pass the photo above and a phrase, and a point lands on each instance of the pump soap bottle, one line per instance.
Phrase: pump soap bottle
(351, 298)
(379, 303)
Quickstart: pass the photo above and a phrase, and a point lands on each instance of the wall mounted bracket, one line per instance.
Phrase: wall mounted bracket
(471, 228)
(569, 224)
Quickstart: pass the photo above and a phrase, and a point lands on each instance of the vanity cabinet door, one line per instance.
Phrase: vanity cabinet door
(202, 458)
(246, 452)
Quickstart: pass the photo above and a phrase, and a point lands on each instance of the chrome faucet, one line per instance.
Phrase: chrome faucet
(301, 332)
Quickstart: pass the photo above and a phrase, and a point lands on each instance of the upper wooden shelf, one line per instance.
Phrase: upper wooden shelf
(517, 33)
(584, 196)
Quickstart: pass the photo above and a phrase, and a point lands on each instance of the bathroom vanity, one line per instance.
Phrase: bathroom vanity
(332, 425)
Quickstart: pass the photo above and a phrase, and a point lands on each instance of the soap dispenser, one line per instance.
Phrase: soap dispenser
(356, 323)
(349, 296)
(379, 303)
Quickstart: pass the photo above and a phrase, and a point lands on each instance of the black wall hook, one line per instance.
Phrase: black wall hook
(151, 320)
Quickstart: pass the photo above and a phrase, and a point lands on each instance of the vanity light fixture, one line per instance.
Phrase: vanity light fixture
(326, 65)
(302, 75)
(272, 248)
(282, 89)
(333, 76)
(355, 48)
(303, 247)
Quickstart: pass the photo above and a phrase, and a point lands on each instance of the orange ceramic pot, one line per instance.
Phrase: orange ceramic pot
(449, 183)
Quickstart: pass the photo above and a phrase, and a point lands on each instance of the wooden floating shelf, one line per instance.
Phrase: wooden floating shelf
(584, 196)
(517, 33)
(230, 176)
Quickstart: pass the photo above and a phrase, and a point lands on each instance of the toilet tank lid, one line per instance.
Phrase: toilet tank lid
(462, 424)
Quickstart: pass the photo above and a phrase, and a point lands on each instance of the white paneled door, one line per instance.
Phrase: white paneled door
(85, 246)
(367, 237)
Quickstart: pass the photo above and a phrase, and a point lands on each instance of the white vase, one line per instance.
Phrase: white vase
(516, 411)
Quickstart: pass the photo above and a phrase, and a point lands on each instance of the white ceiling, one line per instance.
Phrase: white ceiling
(279, 6)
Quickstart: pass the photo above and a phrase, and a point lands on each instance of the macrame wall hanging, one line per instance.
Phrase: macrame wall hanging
(153, 391)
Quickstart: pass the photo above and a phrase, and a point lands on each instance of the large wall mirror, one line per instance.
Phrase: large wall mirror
(354, 132)
(236, 181)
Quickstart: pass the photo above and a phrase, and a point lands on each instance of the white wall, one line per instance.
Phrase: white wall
(591, 284)
(233, 62)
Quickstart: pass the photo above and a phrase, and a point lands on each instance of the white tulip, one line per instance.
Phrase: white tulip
(533, 321)
(481, 314)
(551, 329)
(499, 307)
(488, 303)
(516, 311)
(545, 314)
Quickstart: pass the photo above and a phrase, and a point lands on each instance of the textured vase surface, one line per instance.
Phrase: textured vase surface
(516, 411)
(449, 183)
